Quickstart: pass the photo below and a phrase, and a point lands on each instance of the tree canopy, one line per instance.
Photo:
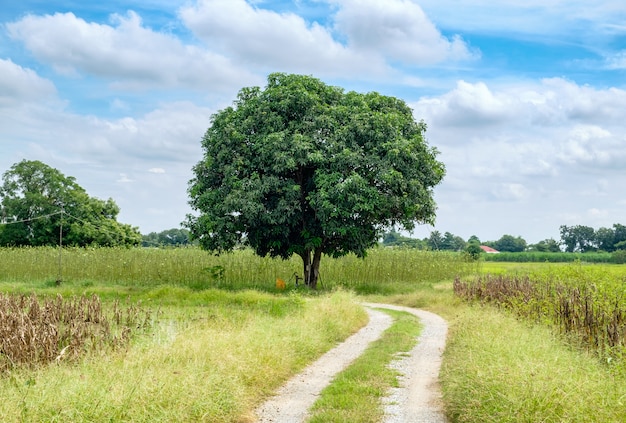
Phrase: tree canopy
(306, 168)
(174, 237)
(37, 202)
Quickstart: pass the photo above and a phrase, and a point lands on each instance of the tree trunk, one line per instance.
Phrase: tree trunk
(311, 266)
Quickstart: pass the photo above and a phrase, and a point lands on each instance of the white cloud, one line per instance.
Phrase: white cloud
(590, 144)
(377, 37)
(548, 147)
(616, 61)
(397, 29)
(123, 179)
(19, 84)
(510, 191)
(109, 157)
(171, 133)
(127, 53)
(469, 105)
(277, 41)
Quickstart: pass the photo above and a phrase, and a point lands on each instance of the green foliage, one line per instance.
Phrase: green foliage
(169, 238)
(509, 243)
(474, 251)
(618, 257)
(394, 239)
(578, 238)
(37, 202)
(208, 359)
(561, 257)
(302, 167)
(445, 242)
(545, 246)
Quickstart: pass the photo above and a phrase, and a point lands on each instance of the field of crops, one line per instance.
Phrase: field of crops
(384, 270)
(39, 325)
(586, 304)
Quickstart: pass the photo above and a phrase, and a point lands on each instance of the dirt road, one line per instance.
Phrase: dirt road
(417, 400)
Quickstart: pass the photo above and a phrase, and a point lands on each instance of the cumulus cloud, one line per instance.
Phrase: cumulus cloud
(271, 39)
(550, 103)
(126, 52)
(397, 29)
(469, 105)
(529, 141)
(109, 157)
(171, 133)
(376, 34)
(592, 145)
(19, 84)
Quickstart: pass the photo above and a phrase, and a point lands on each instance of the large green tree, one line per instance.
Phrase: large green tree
(304, 168)
(509, 243)
(39, 205)
(578, 238)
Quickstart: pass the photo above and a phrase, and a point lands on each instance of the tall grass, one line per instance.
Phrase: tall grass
(585, 303)
(211, 363)
(384, 270)
(500, 369)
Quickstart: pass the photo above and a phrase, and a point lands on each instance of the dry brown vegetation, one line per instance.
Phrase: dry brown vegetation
(38, 331)
(592, 311)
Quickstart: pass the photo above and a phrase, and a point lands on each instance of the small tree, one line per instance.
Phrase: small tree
(308, 169)
(37, 202)
(473, 250)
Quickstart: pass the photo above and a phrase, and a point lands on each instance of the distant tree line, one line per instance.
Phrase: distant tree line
(584, 239)
(168, 238)
(41, 206)
(574, 239)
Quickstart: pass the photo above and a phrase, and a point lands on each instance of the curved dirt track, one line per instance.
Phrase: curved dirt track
(417, 400)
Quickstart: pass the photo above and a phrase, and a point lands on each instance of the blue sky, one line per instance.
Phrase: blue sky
(526, 100)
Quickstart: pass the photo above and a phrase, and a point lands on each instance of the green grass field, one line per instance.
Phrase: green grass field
(223, 337)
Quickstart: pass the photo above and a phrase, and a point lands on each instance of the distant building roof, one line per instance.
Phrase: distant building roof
(489, 250)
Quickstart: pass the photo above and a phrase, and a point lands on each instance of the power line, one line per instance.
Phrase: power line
(62, 212)
(32, 218)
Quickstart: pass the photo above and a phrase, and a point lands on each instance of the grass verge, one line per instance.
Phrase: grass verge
(355, 394)
(499, 369)
(212, 363)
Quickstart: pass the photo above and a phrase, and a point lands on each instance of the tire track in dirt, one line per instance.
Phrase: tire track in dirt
(418, 398)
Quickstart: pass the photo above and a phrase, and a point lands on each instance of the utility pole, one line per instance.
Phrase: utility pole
(60, 276)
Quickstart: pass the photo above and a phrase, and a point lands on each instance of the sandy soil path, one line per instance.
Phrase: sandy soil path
(418, 398)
